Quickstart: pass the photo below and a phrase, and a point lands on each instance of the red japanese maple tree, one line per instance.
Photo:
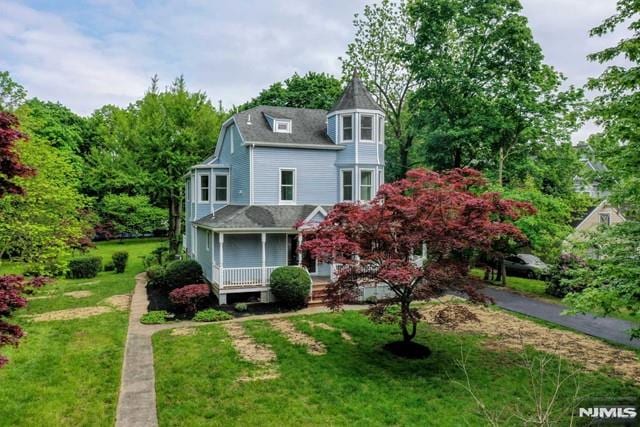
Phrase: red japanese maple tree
(446, 214)
(10, 165)
(12, 288)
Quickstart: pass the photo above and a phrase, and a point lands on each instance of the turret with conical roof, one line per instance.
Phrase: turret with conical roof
(356, 121)
(355, 96)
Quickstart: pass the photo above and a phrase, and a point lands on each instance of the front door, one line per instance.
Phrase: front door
(307, 260)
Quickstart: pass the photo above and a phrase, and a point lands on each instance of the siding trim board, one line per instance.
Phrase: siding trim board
(288, 145)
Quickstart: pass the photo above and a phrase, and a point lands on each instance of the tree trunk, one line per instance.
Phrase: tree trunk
(457, 157)
(174, 223)
(406, 318)
(503, 272)
(500, 166)
(405, 147)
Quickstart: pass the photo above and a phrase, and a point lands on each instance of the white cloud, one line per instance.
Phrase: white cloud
(104, 51)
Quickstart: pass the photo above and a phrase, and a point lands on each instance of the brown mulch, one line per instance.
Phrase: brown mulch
(296, 337)
(345, 336)
(183, 332)
(70, 314)
(78, 294)
(508, 332)
(119, 302)
(247, 347)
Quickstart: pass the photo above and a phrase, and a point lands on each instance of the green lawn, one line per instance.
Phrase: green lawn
(357, 384)
(68, 372)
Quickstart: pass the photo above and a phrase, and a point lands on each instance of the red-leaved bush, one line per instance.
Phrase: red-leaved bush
(189, 297)
(12, 287)
(447, 214)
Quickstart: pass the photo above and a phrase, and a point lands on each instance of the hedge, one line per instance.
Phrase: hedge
(84, 267)
(119, 260)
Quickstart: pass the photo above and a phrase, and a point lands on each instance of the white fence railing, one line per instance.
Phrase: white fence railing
(242, 276)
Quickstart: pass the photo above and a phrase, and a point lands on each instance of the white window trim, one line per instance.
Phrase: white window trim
(353, 184)
(279, 121)
(380, 130)
(373, 184)
(295, 186)
(215, 188)
(187, 190)
(199, 184)
(373, 127)
(341, 126)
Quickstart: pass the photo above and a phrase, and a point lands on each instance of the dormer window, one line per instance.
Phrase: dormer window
(282, 126)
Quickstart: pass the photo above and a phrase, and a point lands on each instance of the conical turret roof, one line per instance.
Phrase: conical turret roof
(356, 96)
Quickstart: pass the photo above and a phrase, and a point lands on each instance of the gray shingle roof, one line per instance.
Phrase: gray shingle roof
(251, 217)
(356, 95)
(308, 126)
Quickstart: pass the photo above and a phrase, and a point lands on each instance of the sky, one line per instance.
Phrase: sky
(85, 54)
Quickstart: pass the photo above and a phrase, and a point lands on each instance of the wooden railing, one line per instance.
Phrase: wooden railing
(242, 276)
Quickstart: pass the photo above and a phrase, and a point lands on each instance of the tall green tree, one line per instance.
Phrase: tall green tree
(41, 226)
(382, 32)
(617, 108)
(485, 98)
(312, 90)
(12, 94)
(147, 148)
(131, 214)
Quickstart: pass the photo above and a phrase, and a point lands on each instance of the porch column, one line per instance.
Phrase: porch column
(264, 258)
(299, 250)
(220, 246)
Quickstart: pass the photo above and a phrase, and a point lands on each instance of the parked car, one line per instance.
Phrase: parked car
(525, 265)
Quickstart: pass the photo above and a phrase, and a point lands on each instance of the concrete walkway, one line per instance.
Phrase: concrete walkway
(607, 328)
(137, 401)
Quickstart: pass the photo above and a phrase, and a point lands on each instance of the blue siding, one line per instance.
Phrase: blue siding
(242, 250)
(348, 155)
(367, 153)
(315, 179)
(203, 254)
(239, 165)
(332, 128)
(216, 251)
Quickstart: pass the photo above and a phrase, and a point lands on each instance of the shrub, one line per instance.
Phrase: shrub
(148, 261)
(241, 306)
(189, 297)
(109, 266)
(120, 259)
(182, 272)
(155, 317)
(559, 282)
(291, 286)
(84, 267)
(211, 315)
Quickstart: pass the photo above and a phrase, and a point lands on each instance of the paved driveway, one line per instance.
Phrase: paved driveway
(610, 329)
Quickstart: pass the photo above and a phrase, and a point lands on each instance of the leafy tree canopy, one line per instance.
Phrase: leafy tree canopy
(12, 94)
(485, 98)
(132, 214)
(312, 90)
(617, 108)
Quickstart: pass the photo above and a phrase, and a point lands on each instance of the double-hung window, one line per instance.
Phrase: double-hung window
(380, 129)
(366, 185)
(222, 188)
(347, 127)
(204, 188)
(347, 185)
(366, 127)
(605, 219)
(287, 186)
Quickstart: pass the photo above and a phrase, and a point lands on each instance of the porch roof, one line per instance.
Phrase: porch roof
(258, 216)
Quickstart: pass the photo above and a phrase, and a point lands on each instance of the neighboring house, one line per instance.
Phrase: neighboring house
(274, 171)
(589, 186)
(601, 214)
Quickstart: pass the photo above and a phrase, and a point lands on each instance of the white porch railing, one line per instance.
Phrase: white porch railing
(242, 277)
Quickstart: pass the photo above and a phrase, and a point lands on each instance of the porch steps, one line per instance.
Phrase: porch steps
(318, 292)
